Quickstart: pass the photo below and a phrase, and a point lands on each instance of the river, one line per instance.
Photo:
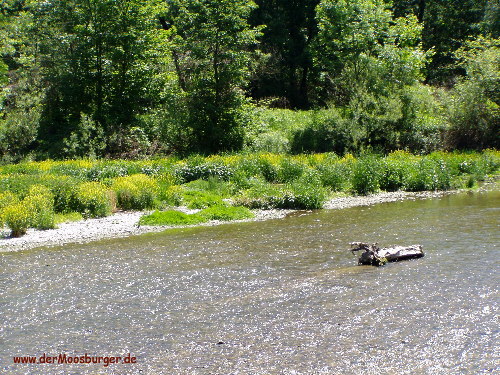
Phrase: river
(275, 297)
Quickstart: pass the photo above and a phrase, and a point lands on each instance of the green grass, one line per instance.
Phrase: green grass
(224, 213)
(170, 217)
(173, 217)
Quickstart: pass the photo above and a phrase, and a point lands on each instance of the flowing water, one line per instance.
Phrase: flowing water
(275, 297)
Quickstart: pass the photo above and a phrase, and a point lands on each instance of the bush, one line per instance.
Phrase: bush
(273, 141)
(171, 196)
(18, 218)
(326, 131)
(289, 170)
(394, 168)
(427, 175)
(170, 217)
(334, 173)
(224, 213)
(40, 204)
(366, 175)
(306, 193)
(137, 191)
(260, 194)
(268, 167)
(65, 195)
(474, 103)
(194, 171)
(6, 199)
(93, 200)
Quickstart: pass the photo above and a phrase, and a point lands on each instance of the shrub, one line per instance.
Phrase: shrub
(333, 173)
(170, 217)
(272, 141)
(93, 199)
(6, 199)
(428, 174)
(137, 191)
(289, 170)
(171, 196)
(65, 195)
(473, 105)
(260, 194)
(40, 204)
(307, 195)
(393, 170)
(225, 213)
(366, 175)
(193, 171)
(247, 167)
(326, 131)
(18, 218)
(214, 185)
(101, 172)
(268, 167)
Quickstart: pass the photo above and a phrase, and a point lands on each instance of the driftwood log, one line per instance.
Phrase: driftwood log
(373, 255)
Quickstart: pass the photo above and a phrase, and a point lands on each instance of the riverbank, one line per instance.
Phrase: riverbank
(125, 224)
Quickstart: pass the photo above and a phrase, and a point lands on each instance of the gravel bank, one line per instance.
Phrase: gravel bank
(121, 224)
(124, 224)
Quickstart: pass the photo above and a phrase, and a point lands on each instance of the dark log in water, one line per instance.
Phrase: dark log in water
(376, 256)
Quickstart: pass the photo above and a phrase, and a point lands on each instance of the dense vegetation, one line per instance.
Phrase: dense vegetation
(39, 194)
(131, 78)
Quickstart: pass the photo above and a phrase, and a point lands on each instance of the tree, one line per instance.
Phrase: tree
(290, 29)
(22, 87)
(447, 25)
(95, 60)
(369, 61)
(474, 105)
(211, 46)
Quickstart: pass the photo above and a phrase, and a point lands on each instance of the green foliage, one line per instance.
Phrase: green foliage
(327, 131)
(285, 73)
(93, 199)
(40, 204)
(194, 171)
(474, 105)
(304, 193)
(335, 173)
(264, 181)
(170, 217)
(18, 218)
(366, 175)
(447, 25)
(195, 199)
(225, 213)
(289, 170)
(67, 217)
(427, 175)
(307, 193)
(259, 194)
(171, 196)
(6, 199)
(394, 169)
(211, 48)
(87, 140)
(137, 191)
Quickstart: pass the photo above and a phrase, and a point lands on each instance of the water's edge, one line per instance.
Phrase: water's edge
(125, 224)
